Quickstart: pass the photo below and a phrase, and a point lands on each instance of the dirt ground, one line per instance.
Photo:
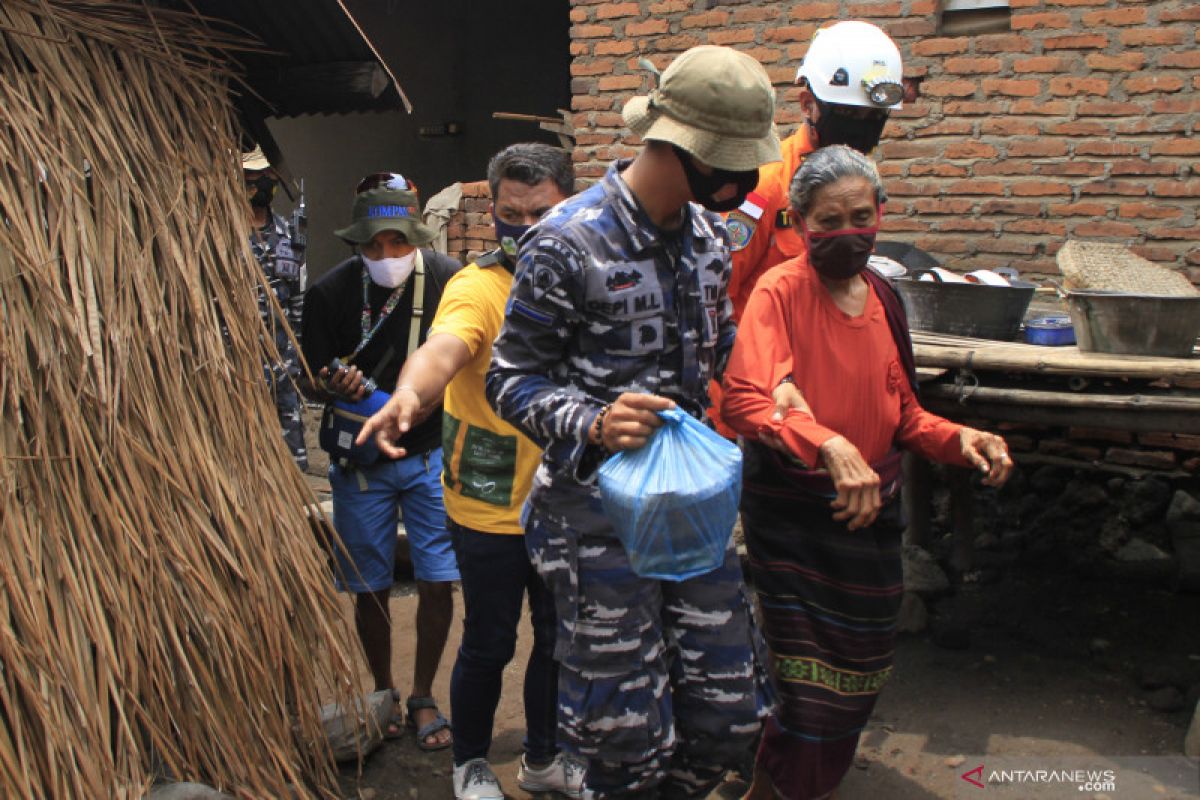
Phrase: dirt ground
(1046, 666)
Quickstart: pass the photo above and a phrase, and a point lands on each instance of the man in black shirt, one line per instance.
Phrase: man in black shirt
(372, 311)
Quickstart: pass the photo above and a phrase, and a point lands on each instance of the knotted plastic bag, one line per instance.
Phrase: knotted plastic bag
(674, 501)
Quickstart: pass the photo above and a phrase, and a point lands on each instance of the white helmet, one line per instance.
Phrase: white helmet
(854, 64)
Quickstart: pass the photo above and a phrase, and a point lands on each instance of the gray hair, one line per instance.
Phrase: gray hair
(531, 163)
(829, 165)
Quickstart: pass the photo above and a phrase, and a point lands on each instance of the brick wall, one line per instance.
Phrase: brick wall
(1081, 122)
(471, 231)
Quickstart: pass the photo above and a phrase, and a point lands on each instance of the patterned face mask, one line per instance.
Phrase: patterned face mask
(843, 253)
(509, 236)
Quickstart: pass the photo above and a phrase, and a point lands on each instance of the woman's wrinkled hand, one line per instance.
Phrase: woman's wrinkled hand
(858, 500)
(786, 397)
(988, 453)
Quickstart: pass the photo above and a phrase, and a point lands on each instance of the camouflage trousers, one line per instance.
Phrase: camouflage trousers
(662, 685)
(291, 411)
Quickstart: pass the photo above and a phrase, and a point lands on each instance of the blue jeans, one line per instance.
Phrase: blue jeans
(496, 574)
(365, 505)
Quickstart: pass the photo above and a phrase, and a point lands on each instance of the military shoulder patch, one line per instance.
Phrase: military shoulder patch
(741, 228)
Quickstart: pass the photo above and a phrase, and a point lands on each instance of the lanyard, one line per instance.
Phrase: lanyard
(367, 329)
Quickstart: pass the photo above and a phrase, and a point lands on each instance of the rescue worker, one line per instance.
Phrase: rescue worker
(278, 251)
(619, 310)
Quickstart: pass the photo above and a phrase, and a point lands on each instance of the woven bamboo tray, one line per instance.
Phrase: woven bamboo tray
(1114, 268)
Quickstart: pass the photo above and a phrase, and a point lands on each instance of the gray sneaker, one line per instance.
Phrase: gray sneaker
(475, 780)
(563, 775)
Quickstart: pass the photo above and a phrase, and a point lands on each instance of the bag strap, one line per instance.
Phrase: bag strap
(418, 309)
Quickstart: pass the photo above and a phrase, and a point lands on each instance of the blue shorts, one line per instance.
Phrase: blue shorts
(365, 503)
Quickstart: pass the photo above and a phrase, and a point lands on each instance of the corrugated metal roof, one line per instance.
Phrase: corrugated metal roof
(301, 33)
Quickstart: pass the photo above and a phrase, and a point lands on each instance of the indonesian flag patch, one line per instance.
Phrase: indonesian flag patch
(754, 205)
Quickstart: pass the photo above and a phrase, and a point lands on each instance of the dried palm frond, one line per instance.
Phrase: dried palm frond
(166, 607)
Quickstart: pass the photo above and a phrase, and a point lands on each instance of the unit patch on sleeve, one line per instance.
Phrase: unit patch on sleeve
(741, 228)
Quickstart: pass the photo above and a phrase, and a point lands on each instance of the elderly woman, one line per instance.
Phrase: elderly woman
(821, 487)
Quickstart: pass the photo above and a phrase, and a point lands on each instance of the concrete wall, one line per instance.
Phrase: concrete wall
(1079, 122)
(458, 61)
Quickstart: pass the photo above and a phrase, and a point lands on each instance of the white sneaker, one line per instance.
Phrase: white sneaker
(475, 780)
(563, 775)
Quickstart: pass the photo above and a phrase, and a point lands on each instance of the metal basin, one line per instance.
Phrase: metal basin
(1136, 324)
(966, 309)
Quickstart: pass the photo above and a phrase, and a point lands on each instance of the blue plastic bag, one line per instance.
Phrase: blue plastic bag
(674, 501)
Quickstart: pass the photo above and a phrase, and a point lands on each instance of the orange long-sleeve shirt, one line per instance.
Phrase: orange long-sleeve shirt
(847, 367)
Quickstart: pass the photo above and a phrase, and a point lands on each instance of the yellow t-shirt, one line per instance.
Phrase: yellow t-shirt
(488, 464)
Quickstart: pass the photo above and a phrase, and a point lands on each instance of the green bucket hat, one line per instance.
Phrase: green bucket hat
(386, 210)
(714, 102)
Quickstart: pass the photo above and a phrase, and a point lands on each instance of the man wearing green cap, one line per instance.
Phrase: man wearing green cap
(619, 310)
(371, 312)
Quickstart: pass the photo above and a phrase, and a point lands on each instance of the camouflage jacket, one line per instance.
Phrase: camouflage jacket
(286, 274)
(603, 302)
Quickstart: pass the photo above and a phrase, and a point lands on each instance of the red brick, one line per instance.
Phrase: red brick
(1007, 244)
(675, 44)
(763, 55)
(1036, 226)
(1088, 169)
(1040, 21)
(1079, 128)
(1139, 167)
(614, 10)
(1080, 41)
(895, 223)
(1150, 124)
(670, 6)
(578, 15)
(1176, 147)
(1070, 86)
(1143, 84)
(906, 149)
(1122, 229)
(937, 170)
(619, 83)
(591, 31)
(817, 11)
(1126, 62)
(1153, 459)
(601, 66)
(1101, 108)
(751, 14)
(581, 48)
(969, 149)
(1107, 149)
(1008, 126)
(585, 103)
(948, 88)
(1039, 188)
(1150, 37)
(788, 33)
(943, 206)
(1077, 210)
(909, 27)
(1147, 211)
(1004, 167)
(907, 189)
(943, 245)
(1054, 108)
(947, 127)
(1122, 188)
(965, 65)
(740, 36)
(1177, 441)
(582, 85)
(923, 6)
(709, 19)
(1022, 208)
(967, 108)
(1176, 105)
(1186, 14)
(1012, 87)
(1114, 17)
(647, 28)
(1057, 447)
(1038, 148)
(1175, 233)
(1189, 188)
(1161, 254)
(614, 47)
(975, 187)
(966, 226)
(1101, 434)
(1041, 64)
(939, 47)
(888, 8)
(1002, 43)
(1081, 2)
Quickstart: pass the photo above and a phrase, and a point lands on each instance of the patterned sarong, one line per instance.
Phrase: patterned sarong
(829, 599)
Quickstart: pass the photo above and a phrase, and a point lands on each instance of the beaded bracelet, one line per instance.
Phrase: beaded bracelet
(598, 425)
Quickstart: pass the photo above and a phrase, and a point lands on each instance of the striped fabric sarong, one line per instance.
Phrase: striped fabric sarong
(829, 599)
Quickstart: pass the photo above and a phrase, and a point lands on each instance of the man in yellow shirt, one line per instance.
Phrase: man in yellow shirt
(488, 470)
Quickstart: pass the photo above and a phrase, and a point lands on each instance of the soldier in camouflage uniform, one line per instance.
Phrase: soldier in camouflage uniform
(279, 249)
(619, 309)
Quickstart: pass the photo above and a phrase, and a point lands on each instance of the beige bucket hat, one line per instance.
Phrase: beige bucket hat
(255, 161)
(714, 102)
(386, 210)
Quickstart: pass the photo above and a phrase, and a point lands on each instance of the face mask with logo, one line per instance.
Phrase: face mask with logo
(842, 254)
(391, 272)
(860, 134)
(264, 191)
(509, 236)
(703, 187)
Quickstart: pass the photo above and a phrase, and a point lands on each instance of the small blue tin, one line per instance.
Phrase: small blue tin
(1052, 331)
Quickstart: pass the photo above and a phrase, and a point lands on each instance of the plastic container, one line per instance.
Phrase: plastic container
(673, 502)
(1051, 331)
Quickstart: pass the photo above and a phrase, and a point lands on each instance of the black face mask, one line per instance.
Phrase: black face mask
(703, 187)
(840, 254)
(264, 191)
(860, 134)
